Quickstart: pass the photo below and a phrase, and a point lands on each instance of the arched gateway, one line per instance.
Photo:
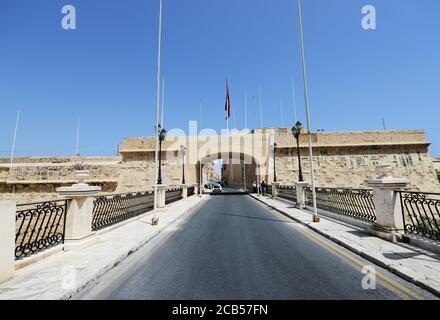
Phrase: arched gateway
(342, 159)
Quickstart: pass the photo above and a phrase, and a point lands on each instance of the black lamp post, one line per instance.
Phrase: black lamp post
(162, 134)
(296, 131)
(274, 157)
(182, 151)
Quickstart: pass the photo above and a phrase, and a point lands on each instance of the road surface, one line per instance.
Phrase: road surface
(233, 247)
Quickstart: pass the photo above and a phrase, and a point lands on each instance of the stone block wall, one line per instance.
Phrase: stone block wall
(352, 166)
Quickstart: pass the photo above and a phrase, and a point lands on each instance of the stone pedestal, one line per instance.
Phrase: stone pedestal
(161, 196)
(184, 191)
(275, 186)
(7, 240)
(389, 223)
(301, 194)
(78, 234)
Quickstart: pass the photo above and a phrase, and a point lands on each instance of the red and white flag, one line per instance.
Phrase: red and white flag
(228, 102)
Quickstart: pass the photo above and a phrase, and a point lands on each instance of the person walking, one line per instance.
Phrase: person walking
(263, 188)
(254, 186)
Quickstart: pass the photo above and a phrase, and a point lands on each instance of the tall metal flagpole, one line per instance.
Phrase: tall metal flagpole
(156, 152)
(261, 108)
(77, 139)
(306, 98)
(15, 136)
(200, 169)
(255, 112)
(163, 102)
(294, 98)
(245, 128)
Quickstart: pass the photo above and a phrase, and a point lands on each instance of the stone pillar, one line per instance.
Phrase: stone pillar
(196, 189)
(161, 196)
(7, 240)
(184, 191)
(78, 223)
(275, 186)
(389, 223)
(301, 194)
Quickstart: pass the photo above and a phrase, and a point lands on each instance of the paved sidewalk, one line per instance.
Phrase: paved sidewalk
(413, 264)
(64, 274)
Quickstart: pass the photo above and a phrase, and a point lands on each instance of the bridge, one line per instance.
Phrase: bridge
(230, 246)
(378, 236)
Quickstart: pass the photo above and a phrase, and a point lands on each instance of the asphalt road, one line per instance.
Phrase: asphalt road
(233, 247)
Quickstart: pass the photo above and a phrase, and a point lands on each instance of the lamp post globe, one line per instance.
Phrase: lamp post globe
(296, 131)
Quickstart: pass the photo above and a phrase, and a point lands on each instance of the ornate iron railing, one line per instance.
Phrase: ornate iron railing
(191, 191)
(355, 203)
(287, 192)
(173, 195)
(421, 214)
(39, 226)
(109, 210)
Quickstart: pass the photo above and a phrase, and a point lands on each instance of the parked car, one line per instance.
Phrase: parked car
(217, 188)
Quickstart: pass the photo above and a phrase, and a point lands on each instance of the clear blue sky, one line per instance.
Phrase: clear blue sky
(104, 72)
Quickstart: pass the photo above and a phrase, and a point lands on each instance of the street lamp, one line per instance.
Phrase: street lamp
(296, 131)
(182, 151)
(274, 146)
(162, 133)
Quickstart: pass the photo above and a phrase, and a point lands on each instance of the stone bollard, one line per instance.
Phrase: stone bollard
(184, 191)
(161, 196)
(275, 186)
(301, 194)
(389, 223)
(7, 240)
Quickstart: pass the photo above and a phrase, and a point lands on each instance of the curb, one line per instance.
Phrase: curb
(134, 249)
(364, 255)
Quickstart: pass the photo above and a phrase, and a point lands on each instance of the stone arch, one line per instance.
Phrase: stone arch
(242, 168)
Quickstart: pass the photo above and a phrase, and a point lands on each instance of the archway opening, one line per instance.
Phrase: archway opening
(234, 171)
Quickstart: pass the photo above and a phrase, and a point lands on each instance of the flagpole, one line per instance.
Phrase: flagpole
(306, 98)
(255, 112)
(163, 102)
(261, 108)
(200, 169)
(77, 139)
(15, 136)
(156, 152)
(245, 128)
(294, 98)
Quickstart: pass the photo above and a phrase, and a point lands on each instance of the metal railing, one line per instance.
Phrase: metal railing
(287, 192)
(173, 195)
(39, 226)
(421, 214)
(355, 203)
(109, 210)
